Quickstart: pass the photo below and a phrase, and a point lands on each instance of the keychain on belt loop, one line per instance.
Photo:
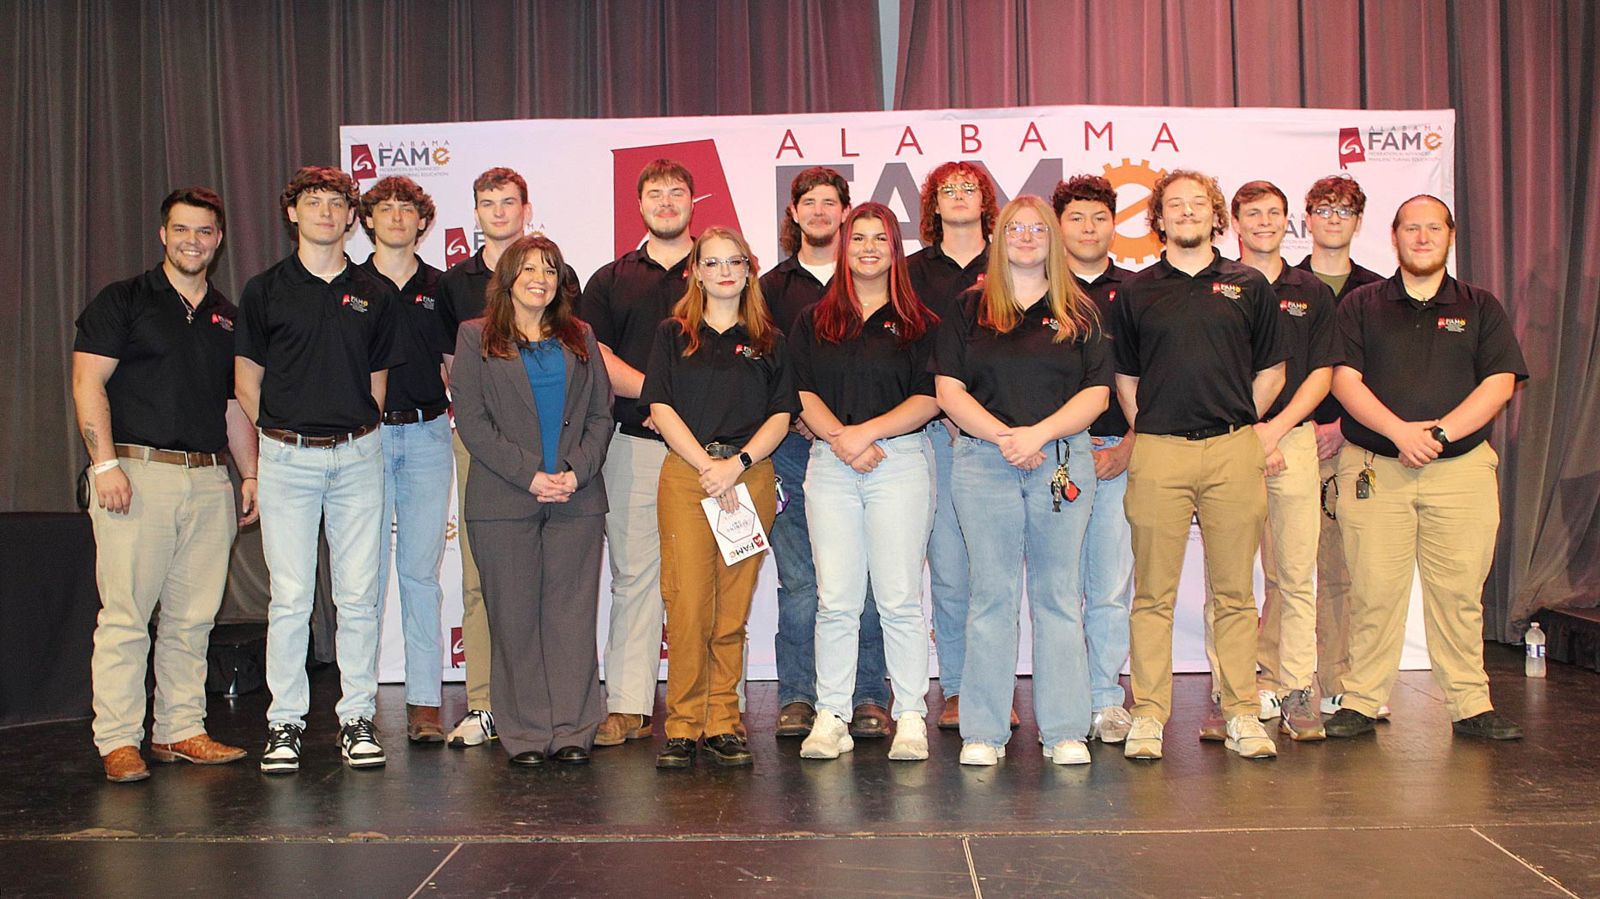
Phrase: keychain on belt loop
(1061, 486)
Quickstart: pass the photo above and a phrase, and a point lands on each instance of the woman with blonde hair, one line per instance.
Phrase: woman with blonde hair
(1023, 370)
(720, 393)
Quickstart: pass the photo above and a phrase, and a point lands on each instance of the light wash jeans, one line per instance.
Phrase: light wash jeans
(1107, 586)
(417, 468)
(871, 525)
(947, 568)
(794, 644)
(1009, 525)
(298, 487)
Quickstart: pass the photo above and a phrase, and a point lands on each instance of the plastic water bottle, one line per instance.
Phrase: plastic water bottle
(1533, 665)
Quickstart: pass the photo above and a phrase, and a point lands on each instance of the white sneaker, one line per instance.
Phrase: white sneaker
(910, 738)
(1247, 737)
(282, 755)
(475, 728)
(981, 753)
(829, 736)
(1110, 724)
(1332, 704)
(1068, 752)
(1144, 739)
(358, 743)
(1271, 705)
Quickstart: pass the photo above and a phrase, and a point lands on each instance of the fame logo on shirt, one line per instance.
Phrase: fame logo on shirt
(1295, 308)
(1111, 297)
(425, 302)
(892, 328)
(747, 351)
(354, 302)
(1453, 325)
(1231, 291)
(1050, 323)
(222, 321)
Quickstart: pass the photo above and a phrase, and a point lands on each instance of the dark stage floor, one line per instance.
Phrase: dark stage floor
(1408, 812)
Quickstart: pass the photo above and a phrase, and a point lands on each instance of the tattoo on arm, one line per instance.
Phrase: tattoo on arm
(90, 439)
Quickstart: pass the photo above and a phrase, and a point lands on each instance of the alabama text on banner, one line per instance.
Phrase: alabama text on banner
(582, 174)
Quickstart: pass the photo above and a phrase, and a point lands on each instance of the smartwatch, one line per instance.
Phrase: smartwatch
(1437, 433)
(746, 461)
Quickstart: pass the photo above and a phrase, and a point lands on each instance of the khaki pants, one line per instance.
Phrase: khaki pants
(474, 618)
(707, 601)
(1169, 479)
(1333, 590)
(1287, 645)
(171, 547)
(1441, 519)
(633, 541)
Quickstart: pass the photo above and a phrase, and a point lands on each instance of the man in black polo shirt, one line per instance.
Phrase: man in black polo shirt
(417, 463)
(315, 340)
(1199, 360)
(624, 302)
(1428, 363)
(1087, 208)
(1287, 641)
(152, 376)
(958, 213)
(819, 199)
(1334, 206)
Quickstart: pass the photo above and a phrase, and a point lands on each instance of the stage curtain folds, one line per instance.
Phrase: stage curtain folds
(1523, 78)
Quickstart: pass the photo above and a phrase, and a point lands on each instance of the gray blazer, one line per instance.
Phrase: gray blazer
(499, 423)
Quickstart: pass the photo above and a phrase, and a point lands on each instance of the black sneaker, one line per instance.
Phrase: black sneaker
(1349, 723)
(729, 751)
(1490, 725)
(358, 743)
(282, 755)
(679, 753)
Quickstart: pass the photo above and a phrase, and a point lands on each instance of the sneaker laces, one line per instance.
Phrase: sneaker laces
(283, 736)
(1245, 727)
(1145, 729)
(360, 730)
(1298, 704)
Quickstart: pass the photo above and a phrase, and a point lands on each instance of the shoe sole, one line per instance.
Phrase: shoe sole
(735, 762)
(281, 768)
(919, 754)
(464, 743)
(426, 738)
(1302, 735)
(985, 763)
(1258, 754)
(1147, 754)
(638, 733)
(873, 734)
(845, 745)
(1213, 736)
(130, 778)
(792, 730)
(1096, 734)
(949, 725)
(1052, 757)
(364, 763)
(168, 757)
(674, 765)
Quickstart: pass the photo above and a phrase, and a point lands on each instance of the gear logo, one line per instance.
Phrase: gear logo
(1134, 243)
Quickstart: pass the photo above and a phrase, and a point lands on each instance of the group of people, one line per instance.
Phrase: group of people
(1005, 407)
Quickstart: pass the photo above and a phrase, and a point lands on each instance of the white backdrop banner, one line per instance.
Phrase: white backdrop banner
(581, 177)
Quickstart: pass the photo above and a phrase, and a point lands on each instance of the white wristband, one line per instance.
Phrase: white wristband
(106, 466)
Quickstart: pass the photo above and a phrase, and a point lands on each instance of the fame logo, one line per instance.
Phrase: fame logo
(1111, 297)
(456, 248)
(414, 158)
(1453, 325)
(1350, 147)
(1231, 291)
(458, 649)
(222, 321)
(1389, 143)
(356, 304)
(362, 163)
(892, 328)
(713, 202)
(747, 351)
(1296, 308)
(424, 301)
(1051, 323)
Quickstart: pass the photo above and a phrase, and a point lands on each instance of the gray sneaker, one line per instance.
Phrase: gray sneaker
(1302, 721)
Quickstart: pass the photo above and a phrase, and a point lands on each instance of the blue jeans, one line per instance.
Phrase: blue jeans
(871, 525)
(795, 643)
(298, 487)
(417, 469)
(1107, 586)
(947, 568)
(999, 504)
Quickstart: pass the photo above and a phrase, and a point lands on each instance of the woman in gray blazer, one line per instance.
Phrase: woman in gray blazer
(533, 406)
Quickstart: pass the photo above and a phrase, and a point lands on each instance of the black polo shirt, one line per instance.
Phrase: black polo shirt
(862, 377)
(723, 392)
(1422, 359)
(319, 342)
(1196, 343)
(1103, 291)
(940, 282)
(788, 289)
(624, 302)
(174, 375)
(420, 333)
(1025, 376)
(1329, 409)
(1306, 322)
(464, 292)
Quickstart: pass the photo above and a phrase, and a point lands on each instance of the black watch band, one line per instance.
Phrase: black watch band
(745, 460)
(1437, 433)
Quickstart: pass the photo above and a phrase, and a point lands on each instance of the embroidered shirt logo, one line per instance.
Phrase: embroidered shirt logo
(354, 302)
(1295, 308)
(1453, 325)
(747, 351)
(1231, 291)
(222, 321)
(1050, 323)
(424, 301)
(1111, 297)
(892, 327)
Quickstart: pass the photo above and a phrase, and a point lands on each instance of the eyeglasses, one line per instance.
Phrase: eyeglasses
(966, 189)
(734, 263)
(1328, 212)
(1017, 229)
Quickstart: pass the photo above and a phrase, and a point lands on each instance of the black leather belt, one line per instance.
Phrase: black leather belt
(721, 450)
(409, 416)
(1208, 433)
(639, 431)
(329, 442)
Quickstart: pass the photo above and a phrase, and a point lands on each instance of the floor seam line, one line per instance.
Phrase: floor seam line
(435, 872)
(1526, 864)
(972, 869)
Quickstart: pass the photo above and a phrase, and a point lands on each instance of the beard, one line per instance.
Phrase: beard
(1416, 269)
(813, 240)
(1193, 242)
(666, 233)
(186, 265)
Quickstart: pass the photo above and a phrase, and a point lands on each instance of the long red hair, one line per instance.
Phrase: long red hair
(500, 336)
(838, 316)
(691, 310)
